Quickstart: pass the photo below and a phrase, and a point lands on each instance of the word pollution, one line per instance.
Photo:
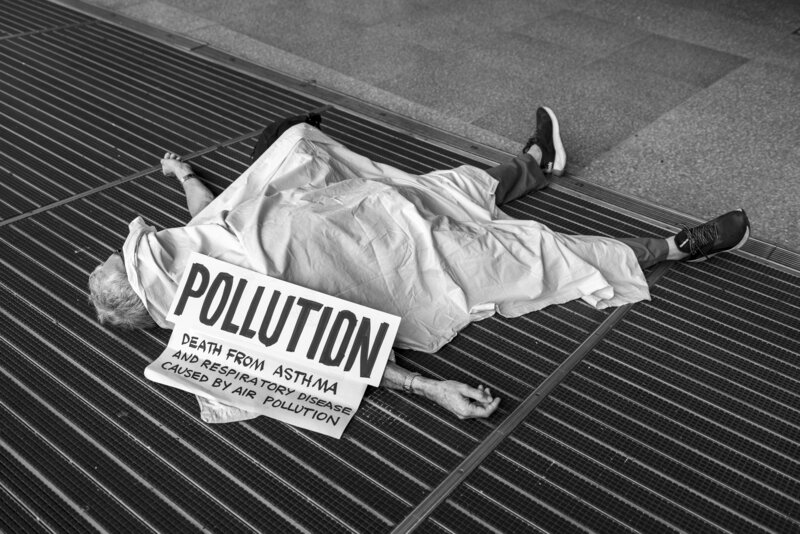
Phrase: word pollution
(271, 347)
(289, 323)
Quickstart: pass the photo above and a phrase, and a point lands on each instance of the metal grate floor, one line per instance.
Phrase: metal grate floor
(680, 415)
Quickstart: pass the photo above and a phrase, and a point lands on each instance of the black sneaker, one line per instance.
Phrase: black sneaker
(548, 137)
(725, 233)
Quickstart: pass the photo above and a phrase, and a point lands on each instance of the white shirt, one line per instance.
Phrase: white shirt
(433, 249)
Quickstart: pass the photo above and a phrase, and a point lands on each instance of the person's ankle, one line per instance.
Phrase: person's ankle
(674, 253)
(536, 153)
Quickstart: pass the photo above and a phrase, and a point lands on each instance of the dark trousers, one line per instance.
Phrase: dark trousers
(522, 175)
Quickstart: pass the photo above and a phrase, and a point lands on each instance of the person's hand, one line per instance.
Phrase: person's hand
(171, 165)
(463, 400)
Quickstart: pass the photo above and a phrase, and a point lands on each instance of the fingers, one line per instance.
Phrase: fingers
(173, 165)
(480, 410)
(480, 393)
(470, 410)
(167, 159)
(465, 401)
(471, 401)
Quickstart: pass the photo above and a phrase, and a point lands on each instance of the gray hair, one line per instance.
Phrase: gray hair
(116, 302)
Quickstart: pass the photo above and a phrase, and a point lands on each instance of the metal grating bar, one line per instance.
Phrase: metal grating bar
(456, 478)
(86, 482)
(17, 18)
(18, 515)
(685, 418)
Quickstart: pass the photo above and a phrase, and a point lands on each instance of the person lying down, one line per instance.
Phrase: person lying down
(434, 249)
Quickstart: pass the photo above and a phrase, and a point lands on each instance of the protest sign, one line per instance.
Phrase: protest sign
(271, 347)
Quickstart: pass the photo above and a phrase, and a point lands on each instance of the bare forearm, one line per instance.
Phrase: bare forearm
(462, 400)
(197, 194)
(399, 378)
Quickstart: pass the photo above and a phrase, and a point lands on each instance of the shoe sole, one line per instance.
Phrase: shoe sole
(738, 245)
(560, 160)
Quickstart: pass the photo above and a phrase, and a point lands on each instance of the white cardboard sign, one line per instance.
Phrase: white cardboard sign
(271, 347)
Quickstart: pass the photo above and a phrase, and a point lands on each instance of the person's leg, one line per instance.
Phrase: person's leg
(543, 154)
(517, 178)
(725, 233)
(546, 140)
(648, 250)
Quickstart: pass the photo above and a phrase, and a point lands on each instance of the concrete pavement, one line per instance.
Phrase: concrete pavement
(692, 105)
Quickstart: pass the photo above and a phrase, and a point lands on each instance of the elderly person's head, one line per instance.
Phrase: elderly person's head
(113, 297)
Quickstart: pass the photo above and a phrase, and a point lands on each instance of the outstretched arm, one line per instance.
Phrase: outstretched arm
(197, 194)
(463, 400)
